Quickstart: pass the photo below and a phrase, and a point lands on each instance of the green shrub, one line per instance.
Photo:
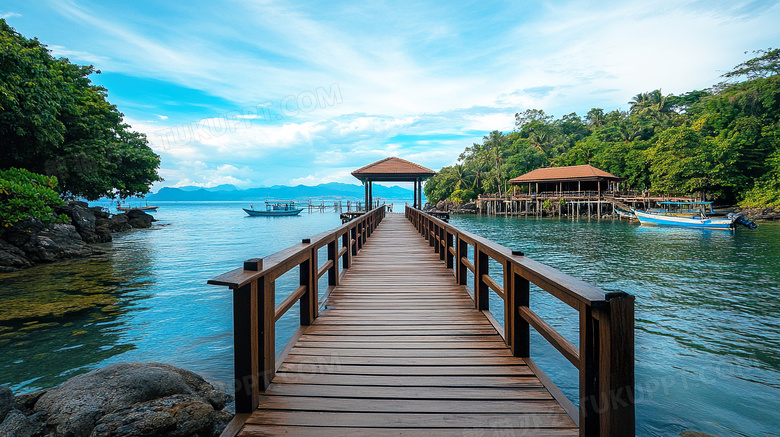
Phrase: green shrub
(25, 195)
(460, 197)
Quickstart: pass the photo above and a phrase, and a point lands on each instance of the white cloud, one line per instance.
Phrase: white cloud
(417, 80)
(76, 55)
(7, 15)
(326, 176)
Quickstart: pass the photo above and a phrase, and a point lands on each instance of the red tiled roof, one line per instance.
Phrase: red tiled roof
(559, 174)
(393, 166)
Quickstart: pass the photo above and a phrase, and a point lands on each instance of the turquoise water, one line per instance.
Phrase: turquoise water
(707, 309)
(707, 315)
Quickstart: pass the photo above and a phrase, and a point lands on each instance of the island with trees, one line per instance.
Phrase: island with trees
(722, 143)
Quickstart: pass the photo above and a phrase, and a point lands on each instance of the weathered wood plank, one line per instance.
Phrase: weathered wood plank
(319, 431)
(412, 420)
(409, 371)
(433, 393)
(310, 403)
(399, 349)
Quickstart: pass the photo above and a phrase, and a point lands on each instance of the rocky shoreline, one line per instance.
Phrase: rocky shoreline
(119, 400)
(32, 242)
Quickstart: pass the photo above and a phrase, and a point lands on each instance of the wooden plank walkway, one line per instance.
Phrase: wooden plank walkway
(400, 350)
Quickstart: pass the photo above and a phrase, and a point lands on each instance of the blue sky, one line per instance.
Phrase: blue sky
(256, 93)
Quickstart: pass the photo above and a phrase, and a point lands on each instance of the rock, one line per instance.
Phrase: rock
(16, 424)
(55, 241)
(91, 223)
(694, 434)
(139, 219)
(31, 241)
(12, 258)
(26, 402)
(118, 223)
(177, 415)
(7, 402)
(133, 399)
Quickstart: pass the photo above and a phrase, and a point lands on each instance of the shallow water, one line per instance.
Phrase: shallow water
(707, 308)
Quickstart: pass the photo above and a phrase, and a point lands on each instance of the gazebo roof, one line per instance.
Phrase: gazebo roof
(563, 174)
(393, 169)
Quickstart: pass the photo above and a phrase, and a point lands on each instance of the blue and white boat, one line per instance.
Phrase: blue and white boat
(274, 209)
(684, 214)
(689, 222)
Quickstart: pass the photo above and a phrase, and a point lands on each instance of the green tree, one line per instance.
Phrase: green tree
(765, 65)
(54, 121)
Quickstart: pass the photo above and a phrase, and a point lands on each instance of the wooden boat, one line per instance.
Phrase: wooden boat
(274, 209)
(623, 214)
(136, 208)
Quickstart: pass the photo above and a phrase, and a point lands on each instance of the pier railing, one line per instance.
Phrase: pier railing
(254, 299)
(605, 356)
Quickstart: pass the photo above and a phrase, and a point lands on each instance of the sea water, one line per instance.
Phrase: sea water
(707, 306)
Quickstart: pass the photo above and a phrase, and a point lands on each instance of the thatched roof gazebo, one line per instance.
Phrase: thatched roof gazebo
(393, 170)
(577, 178)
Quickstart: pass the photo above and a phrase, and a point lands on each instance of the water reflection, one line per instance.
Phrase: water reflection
(58, 319)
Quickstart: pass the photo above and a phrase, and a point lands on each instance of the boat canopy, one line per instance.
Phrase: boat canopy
(666, 202)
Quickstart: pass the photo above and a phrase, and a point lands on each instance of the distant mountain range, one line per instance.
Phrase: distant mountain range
(333, 190)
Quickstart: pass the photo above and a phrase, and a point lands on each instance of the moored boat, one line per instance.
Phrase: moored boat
(273, 209)
(696, 221)
(136, 208)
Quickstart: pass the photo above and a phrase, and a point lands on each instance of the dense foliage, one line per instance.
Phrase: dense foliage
(53, 121)
(722, 143)
(24, 195)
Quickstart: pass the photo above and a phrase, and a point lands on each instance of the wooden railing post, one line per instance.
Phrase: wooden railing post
(589, 366)
(462, 251)
(521, 330)
(353, 240)
(616, 372)
(333, 272)
(308, 304)
(481, 290)
(434, 241)
(509, 315)
(346, 260)
(442, 243)
(245, 353)
(359, 235)
(449, 245)
(267, 335)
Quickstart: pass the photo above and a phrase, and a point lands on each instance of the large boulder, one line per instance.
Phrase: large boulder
(139, 219)
(118, 223)
(134, 399)
(85, 219)
(12, 258)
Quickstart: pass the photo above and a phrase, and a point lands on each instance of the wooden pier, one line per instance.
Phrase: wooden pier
(398, 346)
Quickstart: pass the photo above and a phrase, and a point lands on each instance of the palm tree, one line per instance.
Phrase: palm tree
(461, 175)
(639, 103)
(595, 117)
(539, 138)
